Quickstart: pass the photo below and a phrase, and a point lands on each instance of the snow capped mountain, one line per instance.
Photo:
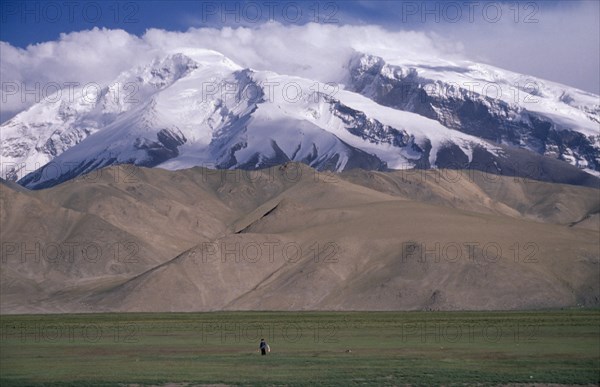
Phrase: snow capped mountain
(38, 135)
(490, 103)
(196, 107)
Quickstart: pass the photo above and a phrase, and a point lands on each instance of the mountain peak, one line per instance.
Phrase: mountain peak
(195, 107)
(162, 72)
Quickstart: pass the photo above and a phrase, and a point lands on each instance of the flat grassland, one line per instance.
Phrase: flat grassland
(307, 348)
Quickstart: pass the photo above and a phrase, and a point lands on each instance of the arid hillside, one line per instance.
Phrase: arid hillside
(292, 238)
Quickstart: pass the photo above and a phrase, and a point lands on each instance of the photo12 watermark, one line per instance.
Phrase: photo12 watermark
(54, 253)
(469, 251)
(270, 252)
(47, 332)
(69, 172)
(254, 12)
(76, 93)
(450, 333)
(468, 12)
(31, 12)
(324, 332)
(270, 172)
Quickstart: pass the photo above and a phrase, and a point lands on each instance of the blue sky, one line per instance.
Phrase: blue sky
(555, 40)
(25, 22)
(30, 22)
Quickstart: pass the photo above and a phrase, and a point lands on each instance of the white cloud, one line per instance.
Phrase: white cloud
(96, 55)
(99, 55)
(316, 51)
(558, 41)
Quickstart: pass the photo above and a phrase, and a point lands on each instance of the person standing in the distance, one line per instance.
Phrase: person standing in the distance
(264, 347)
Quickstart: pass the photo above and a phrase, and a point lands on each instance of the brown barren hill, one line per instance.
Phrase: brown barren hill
(292, 238)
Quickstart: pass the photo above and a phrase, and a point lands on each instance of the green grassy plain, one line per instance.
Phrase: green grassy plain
(308, 348)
